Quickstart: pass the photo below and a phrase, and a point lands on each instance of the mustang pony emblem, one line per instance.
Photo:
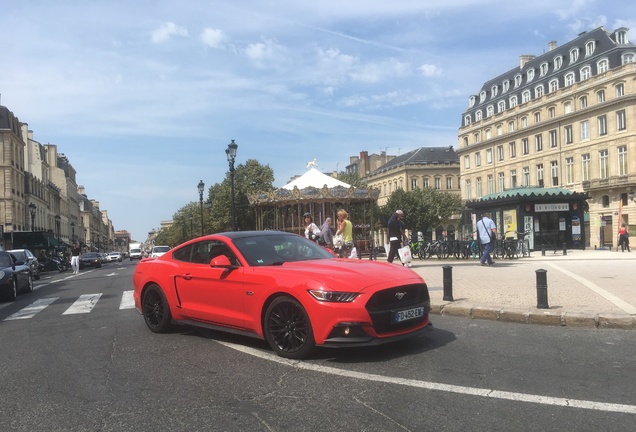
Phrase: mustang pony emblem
(400, 295)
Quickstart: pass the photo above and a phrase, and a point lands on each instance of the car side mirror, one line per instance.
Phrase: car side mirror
(221, 261)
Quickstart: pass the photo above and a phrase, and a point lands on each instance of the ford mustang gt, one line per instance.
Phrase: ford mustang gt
(282, 288)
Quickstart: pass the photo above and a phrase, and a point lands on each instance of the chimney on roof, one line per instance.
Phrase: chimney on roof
(525, 58)
(551, 45)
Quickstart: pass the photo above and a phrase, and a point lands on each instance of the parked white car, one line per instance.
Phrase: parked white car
(114, 256)
(157, 251)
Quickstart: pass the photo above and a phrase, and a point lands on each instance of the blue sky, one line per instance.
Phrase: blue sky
(144, 96)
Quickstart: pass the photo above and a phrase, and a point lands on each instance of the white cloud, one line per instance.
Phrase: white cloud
(213, 37)
(166, 31)
(429, 70)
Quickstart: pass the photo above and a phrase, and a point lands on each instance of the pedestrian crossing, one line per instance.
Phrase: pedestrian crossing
(83, 305)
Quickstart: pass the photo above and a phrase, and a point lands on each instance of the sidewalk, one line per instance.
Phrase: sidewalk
(585, 288)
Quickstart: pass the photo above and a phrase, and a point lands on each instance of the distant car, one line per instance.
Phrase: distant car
(283, 288)
(114, 256)
(14, 278)
(135, 253)
(25, 256)
(90, 259)
(157, 251)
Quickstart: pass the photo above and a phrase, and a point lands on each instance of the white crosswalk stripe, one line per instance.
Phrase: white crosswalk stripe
(83, 305)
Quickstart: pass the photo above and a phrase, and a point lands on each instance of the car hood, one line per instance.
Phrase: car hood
(339, 273)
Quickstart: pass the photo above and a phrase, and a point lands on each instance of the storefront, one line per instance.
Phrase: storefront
(550, 218)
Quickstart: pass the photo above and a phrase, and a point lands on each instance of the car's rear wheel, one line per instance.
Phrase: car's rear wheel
(288, 329)
(156, 310)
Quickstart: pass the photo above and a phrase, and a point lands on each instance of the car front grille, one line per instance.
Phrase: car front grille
(383, 304)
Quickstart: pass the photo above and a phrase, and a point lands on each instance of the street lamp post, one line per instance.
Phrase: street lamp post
(201, 187)
(230, 152)
(72, 232)
(57, 227)
(32, 208)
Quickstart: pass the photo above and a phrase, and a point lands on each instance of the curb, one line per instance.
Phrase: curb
(537, 316)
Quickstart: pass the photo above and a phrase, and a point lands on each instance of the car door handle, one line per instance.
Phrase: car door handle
(187, 276)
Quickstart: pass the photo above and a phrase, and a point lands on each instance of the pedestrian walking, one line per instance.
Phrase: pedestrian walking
(396, 234)
(487, 235)
(623, 238)
(327, 234)
(345, 229)
(75, 256)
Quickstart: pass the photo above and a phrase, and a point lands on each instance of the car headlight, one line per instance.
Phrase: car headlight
(333, 296)
(2, 275)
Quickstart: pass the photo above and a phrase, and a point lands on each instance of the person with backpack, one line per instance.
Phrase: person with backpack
(487, 235)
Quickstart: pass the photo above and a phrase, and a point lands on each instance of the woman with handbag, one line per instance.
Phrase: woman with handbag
(345, 229)
(312, 232)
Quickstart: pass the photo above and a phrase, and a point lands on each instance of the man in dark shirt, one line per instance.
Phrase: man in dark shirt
(396, 233)
(75, 254)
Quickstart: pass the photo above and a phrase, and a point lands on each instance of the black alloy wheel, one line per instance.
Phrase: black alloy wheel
(156, 310)
(13, 293)
(288, 329)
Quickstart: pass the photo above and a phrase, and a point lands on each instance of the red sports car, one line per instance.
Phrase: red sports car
(283, 288)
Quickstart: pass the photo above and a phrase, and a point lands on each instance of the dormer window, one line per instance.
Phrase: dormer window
(621, 36)
(553, 85)
(506, 86)
(525, 96)
(501, 106)
(513, 101)
(482, 96)
(629, 58)
(538, 91)
(602, 66)
(467, 120)
(569, 79)
(558, 62)
(517, 80)
(543, 69)
(478, 115)
(590, 46)
(494, 90)
(530, 75)
(574, 55)
(471, 101)
(586, 72)
(490, 110)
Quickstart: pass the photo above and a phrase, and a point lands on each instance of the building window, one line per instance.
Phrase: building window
(494, 90)
(569, 170)
(438, 183)
(553, 85)
(467, 120)
(490, 111)
(585, 130)
(500, 153)
(525, 96)
(569, 138)
(513, 101)
(488, 156)
(554, 172)
(602, 125)
(622, 160)
(479, 191)
(621, 122)
(600, 96)
(543, 69)
(602, 66)
(466, 162)
(553, 138)
(467, 190)
(478, 159)
(558, 62)
(449, 183)
(499, 130)
(525, 147)
(585, 167)
(511, 126)
(425, 183)
(471, 101)
(524, 122)
(517, 80)
(526, 176)
(502, 182)
(530, 75)
(583, 102)
(513, 179)
(540, 175)
(482, 96)
(567, 107)
(569, 79)
(537, 117)
(551, 112)
(513, 149)
(476, 137)
(505, 86)
(538, 142)
(465, 141)
(487, 134)
(478, 115)
(629, 58)
(574, 55)
(589, 48)
(620, 90)
(491, 185)
(413, 183)
(586, 72)
(603, 159)
(538, 91)
(501, 106)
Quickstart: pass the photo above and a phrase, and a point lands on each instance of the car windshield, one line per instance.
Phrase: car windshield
(161, 249)
(269, 250)
(89, 255)
(19, 255)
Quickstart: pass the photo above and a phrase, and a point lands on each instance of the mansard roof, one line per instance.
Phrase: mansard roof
(422, 156)
(9, 122)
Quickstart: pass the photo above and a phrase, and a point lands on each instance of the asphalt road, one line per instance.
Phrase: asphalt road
(100, 369)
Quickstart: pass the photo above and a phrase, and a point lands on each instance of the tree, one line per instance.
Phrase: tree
(423, 208)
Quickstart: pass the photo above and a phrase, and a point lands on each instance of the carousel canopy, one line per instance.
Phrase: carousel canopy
(314, 178)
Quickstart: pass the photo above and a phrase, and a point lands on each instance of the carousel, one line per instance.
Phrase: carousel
(321, 196)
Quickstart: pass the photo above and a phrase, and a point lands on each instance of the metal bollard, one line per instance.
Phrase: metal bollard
(542, 289)
(448, 283)
(542, 250)
(565, 249)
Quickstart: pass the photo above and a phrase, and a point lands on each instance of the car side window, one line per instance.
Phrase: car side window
(203, 252)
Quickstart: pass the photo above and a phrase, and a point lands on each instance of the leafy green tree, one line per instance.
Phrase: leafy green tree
(351, 179)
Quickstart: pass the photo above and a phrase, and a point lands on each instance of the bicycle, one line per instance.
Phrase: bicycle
(523, 244)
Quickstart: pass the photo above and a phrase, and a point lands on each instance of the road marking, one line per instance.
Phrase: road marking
(449, 388)
(127, 300)
(597, 289)
(84, 304)
(32, 309)
(111, 274)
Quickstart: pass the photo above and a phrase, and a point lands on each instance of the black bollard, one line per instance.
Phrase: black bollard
(565, 249)
(542, 250)
(448, 283)
(542, 289)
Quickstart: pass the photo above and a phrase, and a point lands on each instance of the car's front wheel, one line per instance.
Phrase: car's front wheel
(156, 310)
(13, 291)
(288, 329)
(29, 288)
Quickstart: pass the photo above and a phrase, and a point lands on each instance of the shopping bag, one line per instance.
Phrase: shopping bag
(405, 254)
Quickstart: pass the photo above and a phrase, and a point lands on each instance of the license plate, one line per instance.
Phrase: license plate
(408, 314)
